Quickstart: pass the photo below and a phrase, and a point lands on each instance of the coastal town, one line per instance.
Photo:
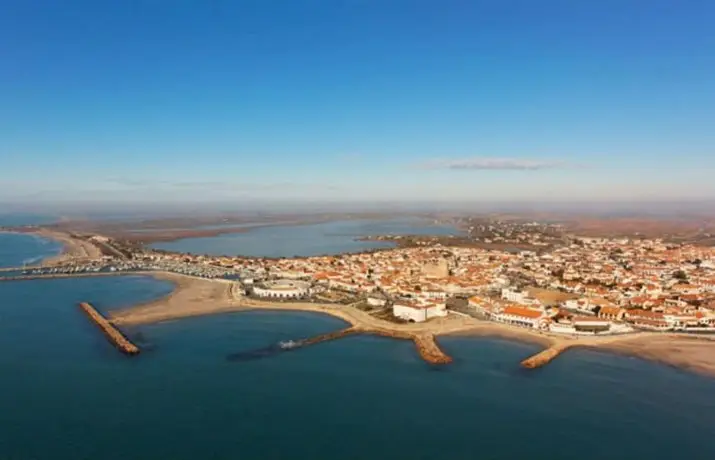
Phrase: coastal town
(583, 287)
(592, 286)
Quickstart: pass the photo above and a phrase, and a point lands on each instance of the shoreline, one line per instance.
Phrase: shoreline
(685, 353)
(197, 297)
(71, 248)
(150, 235)
(192, 297)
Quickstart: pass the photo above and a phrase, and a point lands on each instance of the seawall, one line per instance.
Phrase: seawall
(112, 333)
(544, 357)
(424, 341)
(329, 336)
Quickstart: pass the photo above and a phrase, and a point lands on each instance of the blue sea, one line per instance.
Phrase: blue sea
(66, 393)
(333, 237)
(17, 249)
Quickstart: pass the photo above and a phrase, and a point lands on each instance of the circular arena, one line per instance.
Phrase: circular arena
(282, 289)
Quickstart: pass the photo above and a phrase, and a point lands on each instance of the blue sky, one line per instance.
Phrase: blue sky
(357, 100)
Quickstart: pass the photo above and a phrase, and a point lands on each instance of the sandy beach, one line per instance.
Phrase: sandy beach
(191, 297)
(686, 352)
(195, 297)
(73, 249)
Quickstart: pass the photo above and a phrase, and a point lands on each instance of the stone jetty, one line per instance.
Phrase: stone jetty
(424, 342)
(544, 357)
(329, 336)
(111, 332)
(429, 350)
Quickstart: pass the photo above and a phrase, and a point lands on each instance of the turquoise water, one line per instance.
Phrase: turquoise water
(306, 240)
(66, 393)
(18, 249)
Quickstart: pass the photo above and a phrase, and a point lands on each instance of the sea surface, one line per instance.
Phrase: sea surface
(333, 237)
(18, 249)
(18, 218)
(203, 388)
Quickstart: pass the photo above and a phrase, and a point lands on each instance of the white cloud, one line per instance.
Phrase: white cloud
(493, 164)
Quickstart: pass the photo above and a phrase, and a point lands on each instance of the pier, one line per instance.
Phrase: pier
(544, 357)
(111, 332)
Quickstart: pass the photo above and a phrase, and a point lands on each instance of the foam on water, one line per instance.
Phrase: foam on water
(17, 249)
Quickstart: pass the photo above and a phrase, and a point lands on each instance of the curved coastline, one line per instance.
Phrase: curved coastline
(197, 297)
(38, 255)
(71, 248)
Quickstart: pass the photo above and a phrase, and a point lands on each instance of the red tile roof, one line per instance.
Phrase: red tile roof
(521, 311)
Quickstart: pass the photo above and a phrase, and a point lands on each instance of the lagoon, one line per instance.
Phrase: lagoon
(306, 240)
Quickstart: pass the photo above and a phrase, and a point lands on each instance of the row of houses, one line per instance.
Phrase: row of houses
(604, 319)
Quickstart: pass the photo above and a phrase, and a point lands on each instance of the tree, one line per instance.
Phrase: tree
(680, 275)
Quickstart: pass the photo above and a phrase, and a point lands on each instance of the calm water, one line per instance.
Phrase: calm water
(306, 240)
(18, 249)
(201, 227)
(65, 393)
(16, 219)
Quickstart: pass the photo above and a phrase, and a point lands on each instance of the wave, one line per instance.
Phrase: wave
(32, 260)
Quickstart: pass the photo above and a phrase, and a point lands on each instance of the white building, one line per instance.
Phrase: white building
(591, 324)
(708, 264)
(559, 328)
(499, 282)
(512, 296)
(376, 300)
(434, 293)
(583, 305)
(418, 312)
(520, 316)
(282, 289)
